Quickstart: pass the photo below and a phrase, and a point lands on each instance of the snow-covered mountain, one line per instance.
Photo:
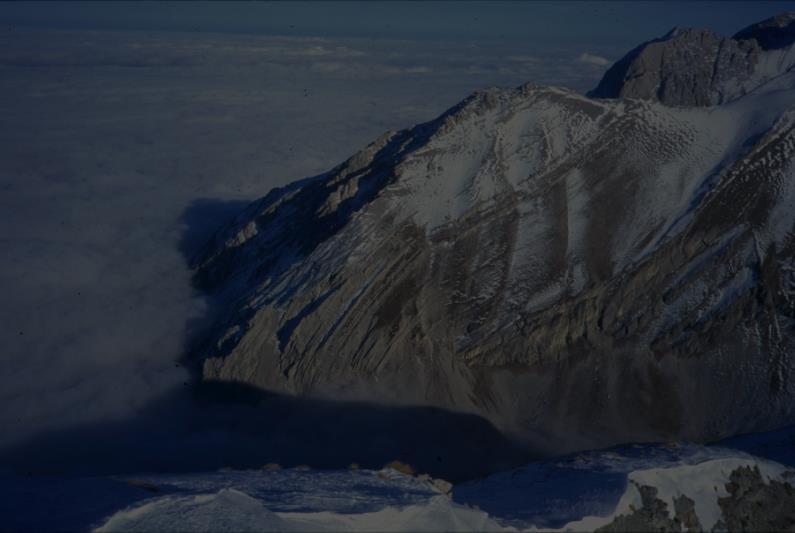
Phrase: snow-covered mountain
(580, 271)
(701, 68)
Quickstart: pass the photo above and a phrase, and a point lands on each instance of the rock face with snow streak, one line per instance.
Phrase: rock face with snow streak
(640, 488)
(700, 68)
(579, 271)
(758, 497)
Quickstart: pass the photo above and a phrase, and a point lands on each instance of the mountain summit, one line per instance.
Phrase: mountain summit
(579, 271)
(689, 67)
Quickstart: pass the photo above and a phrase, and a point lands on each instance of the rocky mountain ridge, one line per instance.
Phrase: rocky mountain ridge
(579, 271)
(698, 67)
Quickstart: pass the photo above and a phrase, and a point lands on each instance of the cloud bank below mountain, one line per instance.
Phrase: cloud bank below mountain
(121, 151)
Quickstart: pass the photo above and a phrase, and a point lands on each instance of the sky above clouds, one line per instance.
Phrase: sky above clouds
(130, 131)
(550, 22)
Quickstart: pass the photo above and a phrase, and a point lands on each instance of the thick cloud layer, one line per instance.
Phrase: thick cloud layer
(120, 152)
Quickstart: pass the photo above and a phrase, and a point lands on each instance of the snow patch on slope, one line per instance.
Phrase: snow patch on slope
(230, 509)
(225, 510)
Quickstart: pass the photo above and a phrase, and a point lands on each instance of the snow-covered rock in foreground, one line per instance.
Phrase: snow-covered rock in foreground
(675, 487)
(225, 510)
(232, 510)
(641, 488)
(296, 500)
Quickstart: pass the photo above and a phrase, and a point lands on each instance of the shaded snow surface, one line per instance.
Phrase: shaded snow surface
(579, 492)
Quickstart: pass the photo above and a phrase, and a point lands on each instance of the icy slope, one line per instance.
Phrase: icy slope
(666, 488)
(232, 510)
(580, 272)
(261, 500)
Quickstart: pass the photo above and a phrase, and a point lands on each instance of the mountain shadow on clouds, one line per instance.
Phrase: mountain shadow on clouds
(213, 425)
(202, 425)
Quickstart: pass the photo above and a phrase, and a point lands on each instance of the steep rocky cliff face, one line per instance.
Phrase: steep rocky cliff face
(579, 271)
(690, 67)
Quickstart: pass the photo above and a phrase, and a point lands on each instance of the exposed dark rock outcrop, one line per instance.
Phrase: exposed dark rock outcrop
(755, 505)
(653, 515)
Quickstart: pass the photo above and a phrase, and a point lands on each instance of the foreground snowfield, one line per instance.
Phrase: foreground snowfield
(589, 490)
(580, 492)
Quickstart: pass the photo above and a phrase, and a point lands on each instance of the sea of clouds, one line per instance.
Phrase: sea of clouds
(121, 151)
